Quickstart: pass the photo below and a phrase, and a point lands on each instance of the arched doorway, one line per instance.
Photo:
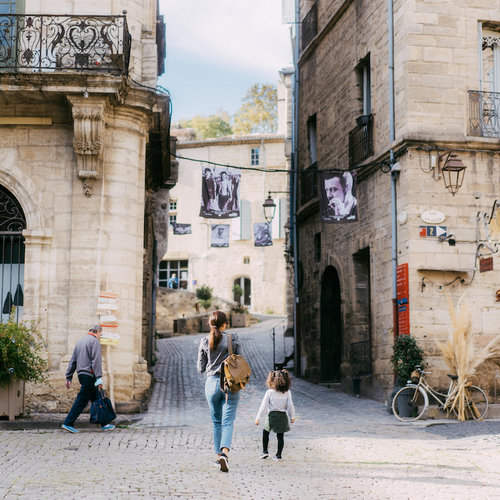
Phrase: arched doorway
(12, 223)
(331, 326)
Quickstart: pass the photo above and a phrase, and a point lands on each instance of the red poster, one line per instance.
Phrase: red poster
(403, 299)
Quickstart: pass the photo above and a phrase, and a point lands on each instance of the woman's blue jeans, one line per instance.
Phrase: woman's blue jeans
(222, 412)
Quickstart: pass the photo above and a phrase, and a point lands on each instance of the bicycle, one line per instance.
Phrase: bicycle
(411, 402)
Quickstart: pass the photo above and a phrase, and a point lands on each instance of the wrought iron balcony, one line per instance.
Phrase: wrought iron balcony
(309, 184)
(361, 140)
(62, 43)
(309, 26)
(484, 113)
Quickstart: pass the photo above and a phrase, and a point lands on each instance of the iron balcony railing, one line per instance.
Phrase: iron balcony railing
(309, 26)
(309, 184)
(53, 43)
(361, 140)
(484, 113)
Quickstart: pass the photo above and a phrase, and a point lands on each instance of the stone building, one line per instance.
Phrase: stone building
(260, 271)
(358, 287)
(84, 158)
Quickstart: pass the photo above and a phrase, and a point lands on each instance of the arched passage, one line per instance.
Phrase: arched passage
(12, 223)
(331, 326)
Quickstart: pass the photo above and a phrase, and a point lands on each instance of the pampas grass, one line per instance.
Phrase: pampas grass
(461, 357)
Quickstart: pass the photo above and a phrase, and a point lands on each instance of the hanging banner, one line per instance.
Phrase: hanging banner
(220, 193)
(220, 235)
(262, 234)
(182, 228)
(337, 196)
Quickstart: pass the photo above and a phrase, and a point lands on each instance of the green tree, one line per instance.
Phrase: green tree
(259, 111)
(207, 127)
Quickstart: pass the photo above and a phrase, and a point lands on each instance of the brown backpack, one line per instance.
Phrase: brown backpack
(235, 371)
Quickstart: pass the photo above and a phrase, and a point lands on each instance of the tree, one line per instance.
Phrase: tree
(259, 111)
(206, 127)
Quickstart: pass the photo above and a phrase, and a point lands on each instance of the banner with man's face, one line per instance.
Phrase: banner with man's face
(337, 196)
(220, 235)
(262, 234)
(220, 192)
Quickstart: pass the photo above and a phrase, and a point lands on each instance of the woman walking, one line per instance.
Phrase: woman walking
(212, 352)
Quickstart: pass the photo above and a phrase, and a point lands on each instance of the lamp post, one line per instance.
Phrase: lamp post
(270, 207)
(453, 173)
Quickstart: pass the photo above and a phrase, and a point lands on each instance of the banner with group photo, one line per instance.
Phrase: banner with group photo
(262, 234)
(337, 196)
(182, 228)
(220, 235)
(220, 192)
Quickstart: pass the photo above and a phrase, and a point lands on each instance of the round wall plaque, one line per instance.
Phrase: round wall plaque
(432, 216)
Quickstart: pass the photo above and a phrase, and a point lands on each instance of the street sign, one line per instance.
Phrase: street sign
(486, 264)
(433, 231)
(403, 299)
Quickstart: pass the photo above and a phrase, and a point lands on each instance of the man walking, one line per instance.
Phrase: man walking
(87, 362)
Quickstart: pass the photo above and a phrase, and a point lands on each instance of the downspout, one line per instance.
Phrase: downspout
(394, 172)
(293, 194)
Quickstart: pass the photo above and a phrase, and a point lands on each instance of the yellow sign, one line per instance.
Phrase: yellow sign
(104, 341)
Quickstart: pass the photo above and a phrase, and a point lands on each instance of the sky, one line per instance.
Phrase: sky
(217, 49)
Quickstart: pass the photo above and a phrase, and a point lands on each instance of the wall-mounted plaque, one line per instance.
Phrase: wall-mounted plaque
(432, 216)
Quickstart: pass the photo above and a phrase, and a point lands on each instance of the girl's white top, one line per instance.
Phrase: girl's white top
(276, 401)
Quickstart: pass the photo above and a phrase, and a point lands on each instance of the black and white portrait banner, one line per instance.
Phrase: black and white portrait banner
(220, 192)
(262, 234)
(337, 196)
(182, 228)
(220, 235)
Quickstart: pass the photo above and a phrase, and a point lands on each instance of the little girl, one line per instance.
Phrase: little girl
(278, 402)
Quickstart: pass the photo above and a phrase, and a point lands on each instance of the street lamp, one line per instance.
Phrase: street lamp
(269, 208)
(453, 173)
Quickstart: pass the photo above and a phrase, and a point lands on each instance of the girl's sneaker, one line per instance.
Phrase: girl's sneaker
(224, 463)
(277, 457)
(264, 455)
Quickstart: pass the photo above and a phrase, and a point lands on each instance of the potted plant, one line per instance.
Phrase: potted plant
(239, 316)
(406, 355)
(20, 362)
(204, 294)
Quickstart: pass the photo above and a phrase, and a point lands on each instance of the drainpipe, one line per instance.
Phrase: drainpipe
(293, 194)
(394, 172)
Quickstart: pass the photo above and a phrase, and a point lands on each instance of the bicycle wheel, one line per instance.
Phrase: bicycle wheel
(476, 403)
(410, 403)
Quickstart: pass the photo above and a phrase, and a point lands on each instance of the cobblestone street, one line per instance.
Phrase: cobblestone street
(340, 447)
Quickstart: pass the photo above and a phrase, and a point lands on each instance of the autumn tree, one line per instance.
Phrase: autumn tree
(258, 112)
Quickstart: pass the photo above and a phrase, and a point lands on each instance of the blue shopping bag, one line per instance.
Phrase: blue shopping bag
(101, 410)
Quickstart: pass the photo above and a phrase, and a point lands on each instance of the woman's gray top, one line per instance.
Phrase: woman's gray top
(209, 361)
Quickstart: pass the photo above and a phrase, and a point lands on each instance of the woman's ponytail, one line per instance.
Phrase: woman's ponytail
(216, 321)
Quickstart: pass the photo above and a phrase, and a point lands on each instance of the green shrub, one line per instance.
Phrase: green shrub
(406, 355)
(204, 294)
(20, 348)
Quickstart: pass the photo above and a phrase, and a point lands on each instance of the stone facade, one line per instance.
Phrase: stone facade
(439, 51)
(218, 268)
(74, 153)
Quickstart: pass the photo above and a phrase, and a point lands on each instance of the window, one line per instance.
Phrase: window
(317, 247)
(173, 205)
(172, 219)
(8, 7)
(311, 134)
(246, 260)
(170, 267)
(364, 85)
(243, 294)
(255, 156)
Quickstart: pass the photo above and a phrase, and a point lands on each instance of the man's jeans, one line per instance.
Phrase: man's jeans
(88, 392)
(223, 413)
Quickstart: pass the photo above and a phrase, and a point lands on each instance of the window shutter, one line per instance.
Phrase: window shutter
(246, 220)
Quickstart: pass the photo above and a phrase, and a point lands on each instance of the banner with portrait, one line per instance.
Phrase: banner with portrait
(337, 196)
(220, 235)
(262, 234)
(220, 192)
(182, 228)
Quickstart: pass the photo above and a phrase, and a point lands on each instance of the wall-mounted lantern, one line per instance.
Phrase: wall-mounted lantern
(453, 172)
(269, 208)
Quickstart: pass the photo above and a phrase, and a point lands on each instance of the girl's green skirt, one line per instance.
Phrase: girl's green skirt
(277, 421)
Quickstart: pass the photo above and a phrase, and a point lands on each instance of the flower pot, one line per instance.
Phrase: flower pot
(12, 399)
(240, 320)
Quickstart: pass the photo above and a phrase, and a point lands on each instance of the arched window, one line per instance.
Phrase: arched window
(12, 223)
(243, 294)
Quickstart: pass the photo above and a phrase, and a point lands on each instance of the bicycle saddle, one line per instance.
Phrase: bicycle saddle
(453, 377)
